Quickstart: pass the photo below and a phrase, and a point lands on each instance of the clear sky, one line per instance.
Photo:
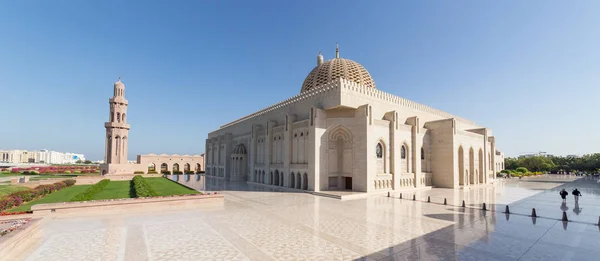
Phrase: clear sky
(529, 70)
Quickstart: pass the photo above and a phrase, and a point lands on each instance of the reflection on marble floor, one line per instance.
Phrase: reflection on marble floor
(271, 225)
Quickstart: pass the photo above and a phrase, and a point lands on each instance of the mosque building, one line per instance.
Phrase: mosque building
(342, 133)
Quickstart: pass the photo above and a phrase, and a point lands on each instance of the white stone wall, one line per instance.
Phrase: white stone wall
(362, 117)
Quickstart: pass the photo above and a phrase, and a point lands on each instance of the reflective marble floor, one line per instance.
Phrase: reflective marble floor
(272, 225)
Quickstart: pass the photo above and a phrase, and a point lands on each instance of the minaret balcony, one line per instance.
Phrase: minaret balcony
(119, 125)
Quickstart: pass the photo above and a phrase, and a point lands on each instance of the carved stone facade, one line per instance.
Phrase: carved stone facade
(344, 135)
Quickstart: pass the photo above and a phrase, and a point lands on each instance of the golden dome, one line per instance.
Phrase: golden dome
(333, 69)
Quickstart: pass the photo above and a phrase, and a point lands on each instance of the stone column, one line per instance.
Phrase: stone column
(415, 152)
(252, 153)
(394, 149)
(317, 126)
(493, 155)
(269, 150)
(287, 142)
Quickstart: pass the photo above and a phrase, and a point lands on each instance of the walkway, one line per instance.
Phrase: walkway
(264, 225)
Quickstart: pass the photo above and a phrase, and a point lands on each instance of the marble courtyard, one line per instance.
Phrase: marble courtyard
(254, 223)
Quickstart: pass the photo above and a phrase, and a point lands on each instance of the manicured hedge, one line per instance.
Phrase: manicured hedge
(176, 172)
(91, 191)
(17, 198)
(138, 172)
(152, 172)
(141, 188)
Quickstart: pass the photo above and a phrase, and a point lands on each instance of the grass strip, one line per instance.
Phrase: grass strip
(89, 193)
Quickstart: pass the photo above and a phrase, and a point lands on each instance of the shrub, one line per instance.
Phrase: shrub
(522, 170)
(189, 172)
(138, 172)
(67, 172)
(177, 172)
(77, 172)
(17, 198)
(152, 172)
(165, 172)
(91, 191)
(141, 188)
(69, 182)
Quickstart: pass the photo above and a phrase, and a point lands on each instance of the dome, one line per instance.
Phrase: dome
(330, 70)
(239, 149)
(119, 83)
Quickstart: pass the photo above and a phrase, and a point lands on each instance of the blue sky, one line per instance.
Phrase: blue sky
(529, 70)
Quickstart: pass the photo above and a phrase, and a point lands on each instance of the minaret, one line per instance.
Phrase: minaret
(337, 51)
(319, 59)
(117, 129)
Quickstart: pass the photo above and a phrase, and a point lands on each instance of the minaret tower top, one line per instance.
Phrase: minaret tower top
(117, 129)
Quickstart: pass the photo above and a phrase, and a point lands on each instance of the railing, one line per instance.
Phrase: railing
(406, 180)
(383, 182)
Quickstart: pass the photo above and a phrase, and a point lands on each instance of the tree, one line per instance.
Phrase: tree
(87, 162)
(78, 161)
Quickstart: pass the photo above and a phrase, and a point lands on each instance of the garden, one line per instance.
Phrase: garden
(519, 172)
(21, 201)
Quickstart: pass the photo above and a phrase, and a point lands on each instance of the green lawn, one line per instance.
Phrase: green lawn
(7, 189)
(115, 189)
(8, 174)
(165, 187)
(63, 195)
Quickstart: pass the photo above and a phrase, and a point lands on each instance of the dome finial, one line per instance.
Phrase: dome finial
(337, 50)
(319, 58)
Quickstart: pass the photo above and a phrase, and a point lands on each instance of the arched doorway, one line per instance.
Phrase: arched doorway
(305, 182)
(186, 168)
(198, 168)
(340, 156)
(292, 179)
(271, 178)
(151, 167)
(404, 163)
(276, 178)
(175, 167)
(164, 168)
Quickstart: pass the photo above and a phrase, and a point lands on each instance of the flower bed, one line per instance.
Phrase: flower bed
(91, 191)
(14, 225)
(57, 169)
(141, 187)
(15, 199)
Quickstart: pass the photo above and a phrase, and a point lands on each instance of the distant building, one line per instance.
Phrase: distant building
(39, 156)
(536, 154)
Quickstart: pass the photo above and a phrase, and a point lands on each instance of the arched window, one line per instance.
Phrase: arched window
(379, 151)
(422, 153)
(403, 152)
(123, 117)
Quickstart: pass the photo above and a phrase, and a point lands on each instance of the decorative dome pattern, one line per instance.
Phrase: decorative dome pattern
(239, 149)
(337, 68)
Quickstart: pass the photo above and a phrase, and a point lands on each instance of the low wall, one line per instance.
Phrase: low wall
(128, 206)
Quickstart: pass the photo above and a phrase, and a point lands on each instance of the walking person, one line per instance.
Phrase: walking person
(576, 193)
(563, 194)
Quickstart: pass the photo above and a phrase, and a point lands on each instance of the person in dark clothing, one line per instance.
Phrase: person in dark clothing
(563, 194)
(576, 193)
